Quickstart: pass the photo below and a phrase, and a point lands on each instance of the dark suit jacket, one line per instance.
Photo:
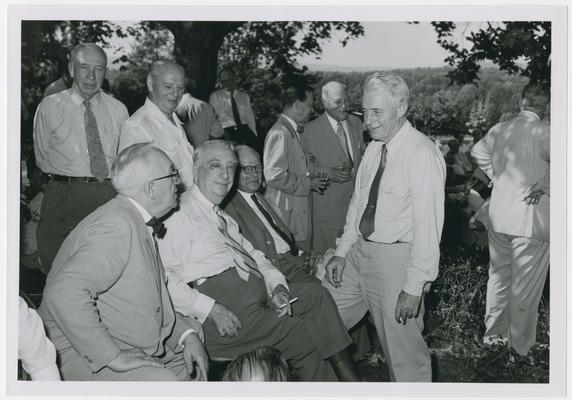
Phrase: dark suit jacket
(329, 209)
(106, 290)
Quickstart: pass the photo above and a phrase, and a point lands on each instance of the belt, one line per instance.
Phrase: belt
(70, 179)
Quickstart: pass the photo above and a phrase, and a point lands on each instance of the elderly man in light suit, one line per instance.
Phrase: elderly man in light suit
(287, 172)
(335, 139)
(106, 306)
(515, 155)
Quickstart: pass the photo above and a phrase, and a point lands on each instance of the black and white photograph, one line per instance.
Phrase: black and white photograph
(353, 198)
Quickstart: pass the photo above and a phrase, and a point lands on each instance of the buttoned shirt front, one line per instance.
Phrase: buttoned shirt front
(150, 124)
(344, 123)
(410, 204)
(60, 142)
(220, 101)
(281, 246)
(194, 248)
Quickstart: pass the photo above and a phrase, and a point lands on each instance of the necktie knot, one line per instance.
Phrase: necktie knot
(87, 104)
(299, 129)
(159, 229)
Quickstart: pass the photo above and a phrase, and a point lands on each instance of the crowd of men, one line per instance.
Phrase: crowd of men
(177, 235)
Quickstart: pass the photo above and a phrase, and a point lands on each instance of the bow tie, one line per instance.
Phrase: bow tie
(300, 129)
(158, 227)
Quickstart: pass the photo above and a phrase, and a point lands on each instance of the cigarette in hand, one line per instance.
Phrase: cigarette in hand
(290, 302)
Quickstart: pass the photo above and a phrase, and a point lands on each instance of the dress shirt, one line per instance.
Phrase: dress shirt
(200, 120)
(150, 124)
(37, 353)
(344, 123)
(281, 246)
(220, 101)
(60, 142)
(194, 248)
(410, 205)
(515, 155)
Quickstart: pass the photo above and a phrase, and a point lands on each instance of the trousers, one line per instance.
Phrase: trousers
(517, 272)
(63, 207)
(373, 277)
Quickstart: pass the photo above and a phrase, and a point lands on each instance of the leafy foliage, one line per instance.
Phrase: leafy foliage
(506, 44)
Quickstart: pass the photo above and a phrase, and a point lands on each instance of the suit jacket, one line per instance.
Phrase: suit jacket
(319, 138)
(106, 290)
(285, 171)
(251, 227)
(515, 155)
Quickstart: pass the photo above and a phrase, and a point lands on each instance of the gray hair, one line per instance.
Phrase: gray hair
(87, 46)
(133, 166)
(199, 154)
(393, 84)
(329, 87)
(241, 148)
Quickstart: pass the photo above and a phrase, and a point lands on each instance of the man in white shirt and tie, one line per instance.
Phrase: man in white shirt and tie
(515, 155)
(389, 251)
(157, 122)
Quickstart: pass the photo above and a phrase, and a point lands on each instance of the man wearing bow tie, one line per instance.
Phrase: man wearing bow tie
(290, 177)
(106, 306)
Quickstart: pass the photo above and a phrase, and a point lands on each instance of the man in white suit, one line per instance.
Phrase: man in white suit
(515, 154)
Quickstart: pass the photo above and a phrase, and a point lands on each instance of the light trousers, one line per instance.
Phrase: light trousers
(373, 277)
(518, 268)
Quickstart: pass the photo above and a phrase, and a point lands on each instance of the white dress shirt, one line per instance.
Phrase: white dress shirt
(410, 203)
(220, 101)
(60, 142)
(344, 123)
(281, 246)
(150, 124)
(193, 248)
(37, 353)
(515, 155)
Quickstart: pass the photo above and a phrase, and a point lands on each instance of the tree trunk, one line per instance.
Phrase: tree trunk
(196, 49)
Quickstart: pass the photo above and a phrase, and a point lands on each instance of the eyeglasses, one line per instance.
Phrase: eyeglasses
(174, 175)
(251, 169)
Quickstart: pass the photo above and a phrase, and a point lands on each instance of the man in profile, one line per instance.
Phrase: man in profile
(199, 120)
(157, 122)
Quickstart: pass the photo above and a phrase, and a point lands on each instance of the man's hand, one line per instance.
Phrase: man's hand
(281, 296)
(194, 352)
(407, 307)
(318, 183)
(535, 194)
(127, 360)
(226, 322)
(340, 174)
(334, 270)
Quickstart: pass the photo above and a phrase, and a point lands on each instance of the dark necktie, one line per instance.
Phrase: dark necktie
(159, 229)
(97, 162)
(344, 141)
(280, 232)
(235, 113)
(366, 225)
(242, 259)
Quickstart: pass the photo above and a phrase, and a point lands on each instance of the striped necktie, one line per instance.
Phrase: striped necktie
(344, 141)
(242, 259)
(274, 225)
(97, 162)
(367, 223)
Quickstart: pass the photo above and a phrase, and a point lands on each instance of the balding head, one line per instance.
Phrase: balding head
(87, 67)
(166, 85)
(335, 100)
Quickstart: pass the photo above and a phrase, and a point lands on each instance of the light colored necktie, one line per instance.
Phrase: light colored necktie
(242, 259)
(367, 223)
(343, 141)
(97, 161)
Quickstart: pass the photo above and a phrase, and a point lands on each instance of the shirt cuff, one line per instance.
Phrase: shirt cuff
(202, 307)
(184, 335)
(414, 287)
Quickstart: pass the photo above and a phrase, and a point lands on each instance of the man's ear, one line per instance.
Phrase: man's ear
(70, 68)
(150, 190)
(149, 83)
(402, 108)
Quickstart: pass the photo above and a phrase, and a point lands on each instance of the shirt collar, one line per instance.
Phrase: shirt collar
(156, 111)
(529, 114)
(399, 137)
(200, 198)
(144, 214)
(291, 121)
(78, 100)
(245, 194)
(334, 123)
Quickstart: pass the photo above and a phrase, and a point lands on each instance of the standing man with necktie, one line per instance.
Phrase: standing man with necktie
(234, 111)
(288, 174)
(157, 122)
(76, 133)
(389, 251)
(335, 139)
